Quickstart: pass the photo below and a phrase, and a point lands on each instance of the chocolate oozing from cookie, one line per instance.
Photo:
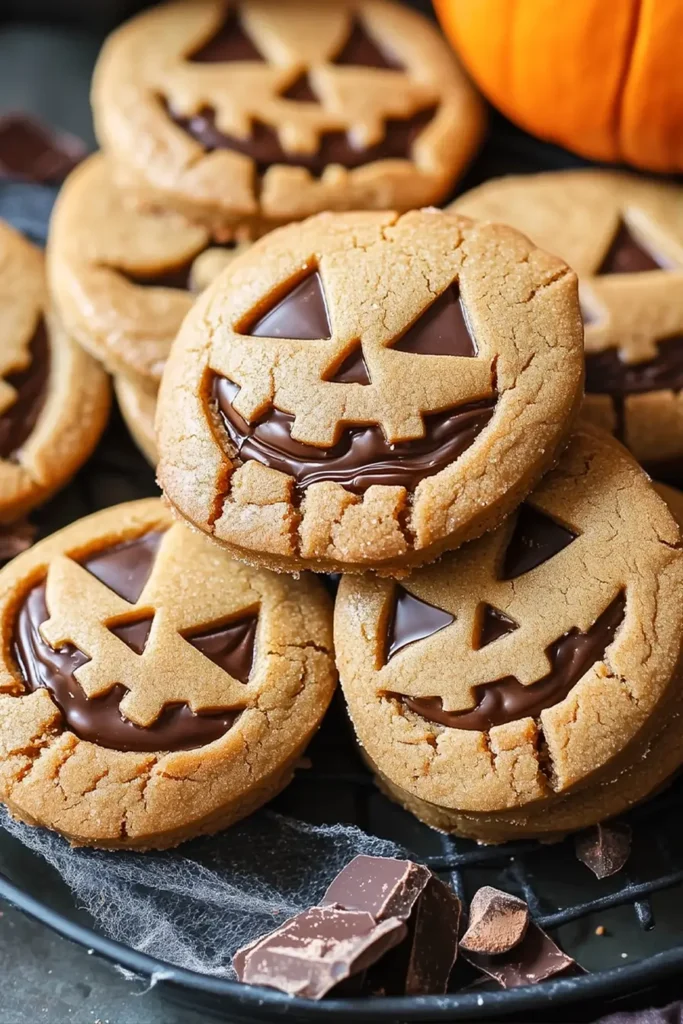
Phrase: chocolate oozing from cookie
(18, 421)
(263, 145)
(626, 255)
(125, 569)
(607, 373)
(411, 620)
(508, 700)
(442, 330)
(535, 539)
(231, 43)
(301, 314)
(360, 50)
(362, 456)
(494, 625)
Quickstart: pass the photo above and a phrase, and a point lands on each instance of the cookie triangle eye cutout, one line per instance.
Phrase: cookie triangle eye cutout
(301, 91)
(231, 646)
(626, 255)
(442, 330)
(301, 315)
(126, 568)
(536, 538)
(230, 43)
(360, 50)
(412, 620)
(353, 370)
(492, 625)
(134, 634)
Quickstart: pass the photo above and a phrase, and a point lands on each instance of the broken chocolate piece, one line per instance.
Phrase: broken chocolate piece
(532, 960)
(604, 848)
(15, 538)
(498, 922)
(315, 951)
(390, 888)
(31, 151)
(381, 886)
(433, 940)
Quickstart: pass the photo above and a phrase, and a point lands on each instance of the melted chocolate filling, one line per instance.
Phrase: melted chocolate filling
(265, 149)
(507, 700)
(608, 374)
(363, 456)
(125, 570)
(18, 422)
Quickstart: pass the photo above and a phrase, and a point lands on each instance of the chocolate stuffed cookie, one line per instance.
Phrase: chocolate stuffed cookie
(54, 399)
(151, 688)
(364, 391)
(624, 237)
(269, 111)
(528, 684)
(123, 279)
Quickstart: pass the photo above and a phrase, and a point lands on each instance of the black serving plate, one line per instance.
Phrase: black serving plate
(46, 69)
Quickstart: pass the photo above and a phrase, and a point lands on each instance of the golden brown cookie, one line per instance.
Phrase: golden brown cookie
(122, 279)
(138, 407)
(269, 111)
(364, 391)
(530, 683)
(624, 237)
(153, 689)
(54, 399)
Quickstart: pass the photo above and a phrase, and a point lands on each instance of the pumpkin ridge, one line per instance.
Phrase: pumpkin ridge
(628, 65)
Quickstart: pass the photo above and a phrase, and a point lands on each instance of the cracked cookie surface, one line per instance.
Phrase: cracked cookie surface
(123, 279)
(364, 391)
(152, 688)
(262, 111)
(54, 399)
(624, 237)
(507, 689)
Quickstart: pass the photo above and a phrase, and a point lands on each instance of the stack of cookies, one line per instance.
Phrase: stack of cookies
(396, 397)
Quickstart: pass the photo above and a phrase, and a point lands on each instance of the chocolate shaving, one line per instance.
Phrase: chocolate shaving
(498, 922)
(533, 959)
(314, 952)
(604, 848)
(15, 538)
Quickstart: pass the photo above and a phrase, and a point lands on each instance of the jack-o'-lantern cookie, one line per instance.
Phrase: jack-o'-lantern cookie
(624, 237)
(528, 684)
(364, 391)
(54, 399)
(152, 688)
(122, 279)
(263, 110)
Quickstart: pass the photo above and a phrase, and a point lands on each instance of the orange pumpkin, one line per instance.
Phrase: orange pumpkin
(601, 77)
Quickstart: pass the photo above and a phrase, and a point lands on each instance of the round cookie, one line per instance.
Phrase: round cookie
(122, 279)
(364, 391)
(529, 683)
(138, 407)
(623, 236)
(269, 111)
(54, 399)
(153, 689)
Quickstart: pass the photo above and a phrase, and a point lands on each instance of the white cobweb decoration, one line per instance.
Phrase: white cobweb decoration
(194, 906)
